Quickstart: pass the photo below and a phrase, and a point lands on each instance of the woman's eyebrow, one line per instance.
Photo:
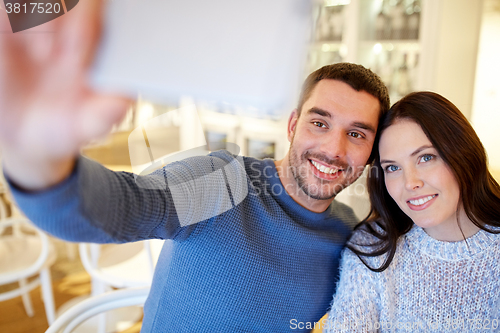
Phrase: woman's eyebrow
(418, 150)
(386, 161)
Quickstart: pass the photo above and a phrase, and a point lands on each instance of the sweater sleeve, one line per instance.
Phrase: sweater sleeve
(98, 205)
(355, 305)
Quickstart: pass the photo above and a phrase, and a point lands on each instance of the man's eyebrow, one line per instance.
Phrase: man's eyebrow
(365, 126)
(418, 150)
(320, 112)
(328, 115)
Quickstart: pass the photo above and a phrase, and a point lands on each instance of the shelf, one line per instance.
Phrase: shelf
(328, 46)
(447, 33)
(318, 44)
(412, 44)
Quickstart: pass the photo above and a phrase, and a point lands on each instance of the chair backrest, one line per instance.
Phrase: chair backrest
(135, 271)
(3, 206)
(17, 224)
(3, 194)
(82, 311)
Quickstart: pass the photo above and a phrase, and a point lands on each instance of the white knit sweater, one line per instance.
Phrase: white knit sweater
(430, 286)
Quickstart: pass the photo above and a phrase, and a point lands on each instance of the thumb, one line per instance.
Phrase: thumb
(99, 114)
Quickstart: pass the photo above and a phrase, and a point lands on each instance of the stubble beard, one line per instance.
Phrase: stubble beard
(322, 189)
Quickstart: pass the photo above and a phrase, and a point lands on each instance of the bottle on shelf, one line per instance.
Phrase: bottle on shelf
(414, 72)
(398, 20)
(413, 19)
(323, 25)
(337, 57)
(387, 70)
(382, 23)
(337, 22)
(312, 61)
(402, 78)
(376, 65)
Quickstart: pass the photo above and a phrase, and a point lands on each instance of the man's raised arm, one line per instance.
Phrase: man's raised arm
(47, 110)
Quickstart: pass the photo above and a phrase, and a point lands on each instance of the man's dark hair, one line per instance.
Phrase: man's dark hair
(357, 76)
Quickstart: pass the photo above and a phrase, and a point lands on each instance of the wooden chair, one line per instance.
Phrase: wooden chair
(95, 305)
(25, 251)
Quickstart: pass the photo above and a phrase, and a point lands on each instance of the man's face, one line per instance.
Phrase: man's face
(332, 139)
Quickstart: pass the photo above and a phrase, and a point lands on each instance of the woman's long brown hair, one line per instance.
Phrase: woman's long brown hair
(458, 145)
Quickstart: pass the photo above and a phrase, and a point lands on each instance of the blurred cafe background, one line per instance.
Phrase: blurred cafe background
(451, 47)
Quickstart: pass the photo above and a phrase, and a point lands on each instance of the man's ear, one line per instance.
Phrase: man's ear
(292, 123)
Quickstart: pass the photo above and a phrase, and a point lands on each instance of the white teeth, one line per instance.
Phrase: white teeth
(421, 201)
(324, 169)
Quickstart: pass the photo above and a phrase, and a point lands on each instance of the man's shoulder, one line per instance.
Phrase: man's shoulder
(343, 212)
(203, 164)
(255, 168)
(250, 163)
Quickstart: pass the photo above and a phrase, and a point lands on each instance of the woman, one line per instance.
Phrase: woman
(427, 258)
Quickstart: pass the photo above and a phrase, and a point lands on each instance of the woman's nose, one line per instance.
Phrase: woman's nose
(413, 180)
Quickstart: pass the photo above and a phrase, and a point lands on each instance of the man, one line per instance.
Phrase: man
(260, 253)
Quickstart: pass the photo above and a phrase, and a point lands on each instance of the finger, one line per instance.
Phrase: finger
(80, 33)
(39, 43)
(99, 114)
(40, 40)
(6, 34)
(22, 52)
(15, 68)
(4, 20)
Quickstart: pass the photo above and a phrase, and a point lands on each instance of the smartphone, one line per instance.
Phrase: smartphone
(248, 53)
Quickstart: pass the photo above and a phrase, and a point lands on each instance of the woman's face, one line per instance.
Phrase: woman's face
(419, 181)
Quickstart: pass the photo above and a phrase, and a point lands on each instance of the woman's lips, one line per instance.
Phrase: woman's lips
(421, 202)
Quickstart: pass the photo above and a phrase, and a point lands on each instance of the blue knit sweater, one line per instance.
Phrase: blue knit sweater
(246, 257)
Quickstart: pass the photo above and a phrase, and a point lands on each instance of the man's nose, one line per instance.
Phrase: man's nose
(334, 145)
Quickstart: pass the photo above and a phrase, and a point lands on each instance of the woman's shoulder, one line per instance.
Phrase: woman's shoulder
(368, 237)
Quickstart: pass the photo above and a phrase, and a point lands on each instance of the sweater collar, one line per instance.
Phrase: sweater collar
(418, 240)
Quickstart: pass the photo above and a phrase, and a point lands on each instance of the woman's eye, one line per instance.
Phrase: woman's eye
(391, 168)
(426, 158)
(319, 124)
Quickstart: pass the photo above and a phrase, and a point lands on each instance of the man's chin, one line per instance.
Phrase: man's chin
(322, 194)
(322, 197)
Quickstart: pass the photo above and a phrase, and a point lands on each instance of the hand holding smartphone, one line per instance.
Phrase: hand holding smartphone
(47, 110)
(240, 52)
